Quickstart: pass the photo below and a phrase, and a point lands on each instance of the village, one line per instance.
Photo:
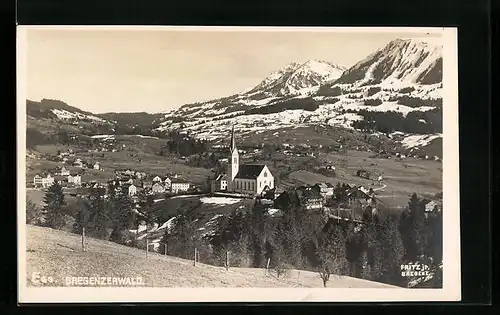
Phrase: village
(245, 181)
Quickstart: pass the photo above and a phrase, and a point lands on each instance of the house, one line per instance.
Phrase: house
(126, 180)
(168, 182)
(157, 179)
(326, 189)
(63, 171)
(157, 188)
(37, 180)
(75, 179)
(179, 185)
(130, 189)
(96, 166)
(129, 172)
(78, 163)
(431, 205)
(359, 193)
(221, 182)
(310, 197)
(43, 181)
(147, 184)
(247, 179)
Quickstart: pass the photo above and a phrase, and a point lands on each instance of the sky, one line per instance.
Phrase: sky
(145, 70)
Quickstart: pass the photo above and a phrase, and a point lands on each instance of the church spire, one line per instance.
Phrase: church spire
(233, 141)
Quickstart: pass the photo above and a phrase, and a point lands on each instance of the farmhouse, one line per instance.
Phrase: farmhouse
(248, 179)
(179, 185)
(96, 166)
(157, 179)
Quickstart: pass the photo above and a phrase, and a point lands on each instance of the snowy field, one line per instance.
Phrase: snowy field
(220, 200)
(59, 254)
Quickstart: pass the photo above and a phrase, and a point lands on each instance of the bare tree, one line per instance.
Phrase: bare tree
(324, 273)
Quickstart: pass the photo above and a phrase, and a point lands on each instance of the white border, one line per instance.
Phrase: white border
(451, 290)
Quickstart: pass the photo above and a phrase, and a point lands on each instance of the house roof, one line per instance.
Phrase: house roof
(60, 178)
(325, 185)
(249, 171)
(308, 193)
(179, 181)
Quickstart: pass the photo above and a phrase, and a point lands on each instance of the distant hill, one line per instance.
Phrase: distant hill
(53, 109)
(132, 119)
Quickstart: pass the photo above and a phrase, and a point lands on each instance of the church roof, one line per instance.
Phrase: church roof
(249, 171)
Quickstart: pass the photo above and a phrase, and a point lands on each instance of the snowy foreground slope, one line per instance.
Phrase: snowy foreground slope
(403, 77)
(58, 253)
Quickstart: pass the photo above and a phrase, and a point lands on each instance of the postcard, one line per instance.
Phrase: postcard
(237, 164)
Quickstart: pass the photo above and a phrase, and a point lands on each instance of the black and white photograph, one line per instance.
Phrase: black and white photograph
(237, 164)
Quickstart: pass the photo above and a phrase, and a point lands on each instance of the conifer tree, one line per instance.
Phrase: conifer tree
(412, 229)
(53, 210)
(392, 251)
(121, 214)
(98, 217)
(332, 251)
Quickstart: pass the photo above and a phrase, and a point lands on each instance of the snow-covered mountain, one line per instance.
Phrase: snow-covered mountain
(296, 78)
(398, 87)
(404, 60)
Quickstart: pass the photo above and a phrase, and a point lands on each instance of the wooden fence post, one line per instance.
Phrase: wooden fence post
(165, 249)
(227, 260)
(83, 238)
(267, 266)
(194, 261)
(147, 246)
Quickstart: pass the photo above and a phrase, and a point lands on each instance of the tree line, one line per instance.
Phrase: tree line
(301, 240)
(387, 122)
(183, 144)
(107, 218)
(295, 239)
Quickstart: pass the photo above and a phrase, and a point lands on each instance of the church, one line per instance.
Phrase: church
(250, 179)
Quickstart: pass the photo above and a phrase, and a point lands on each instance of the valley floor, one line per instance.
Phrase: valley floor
(58, 254)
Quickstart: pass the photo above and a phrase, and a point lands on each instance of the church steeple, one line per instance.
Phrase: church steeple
(233, 141)
(233, 165)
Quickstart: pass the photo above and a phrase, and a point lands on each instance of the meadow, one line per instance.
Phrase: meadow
(58, 254)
